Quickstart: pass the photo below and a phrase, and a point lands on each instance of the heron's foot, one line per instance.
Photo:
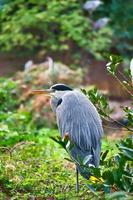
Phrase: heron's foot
(77, 188)
(77, 180)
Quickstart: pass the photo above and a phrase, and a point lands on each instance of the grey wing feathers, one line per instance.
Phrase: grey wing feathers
(78, 116)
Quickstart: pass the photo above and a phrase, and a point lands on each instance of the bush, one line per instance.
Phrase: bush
(8, 96)
(65, 26)
(51, 26)
(121, 23)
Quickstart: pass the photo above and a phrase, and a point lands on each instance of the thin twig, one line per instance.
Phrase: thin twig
(113, 120)
(123, 75)
(123, 85)
(6, 149)
(109, 127)
(20, 144)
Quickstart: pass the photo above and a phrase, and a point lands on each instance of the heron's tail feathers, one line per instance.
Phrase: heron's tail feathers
(85, 159)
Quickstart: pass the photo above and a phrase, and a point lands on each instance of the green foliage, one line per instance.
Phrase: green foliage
(8, 96)
(113, 69)
(113, 64)
(121, 23)
(100, 101)
(51, 26)
(119, 172)
(129, 115)
(32, 169)
(115, 171)
(65, 26)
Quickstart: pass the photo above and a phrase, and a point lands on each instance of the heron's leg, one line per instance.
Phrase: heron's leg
(77, 179)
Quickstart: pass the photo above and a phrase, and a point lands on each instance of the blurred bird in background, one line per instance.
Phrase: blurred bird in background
(100, 23)
(90, 6)
(50, 72)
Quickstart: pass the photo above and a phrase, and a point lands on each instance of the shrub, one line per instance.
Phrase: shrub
(51, 26)
(65, 26)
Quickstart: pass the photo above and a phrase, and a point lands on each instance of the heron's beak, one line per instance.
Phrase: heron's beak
(45, 92)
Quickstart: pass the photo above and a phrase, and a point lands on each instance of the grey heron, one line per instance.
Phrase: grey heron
(92, 5)
(100, 23)
(28, 65)
(77, 117)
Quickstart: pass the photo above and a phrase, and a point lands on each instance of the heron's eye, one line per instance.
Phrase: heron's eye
(59, 102)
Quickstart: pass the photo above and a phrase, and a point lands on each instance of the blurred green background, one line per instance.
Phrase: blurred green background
(66, 27)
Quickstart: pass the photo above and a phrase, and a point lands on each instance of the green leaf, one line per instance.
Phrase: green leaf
(117, 195)
(108, 176)
(92, 189)
(127, 151)
(104, 155)
(106, 188)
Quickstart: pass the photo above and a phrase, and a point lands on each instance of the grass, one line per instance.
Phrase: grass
(36, 167)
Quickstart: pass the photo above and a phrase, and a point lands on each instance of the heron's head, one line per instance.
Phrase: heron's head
(56, 93)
